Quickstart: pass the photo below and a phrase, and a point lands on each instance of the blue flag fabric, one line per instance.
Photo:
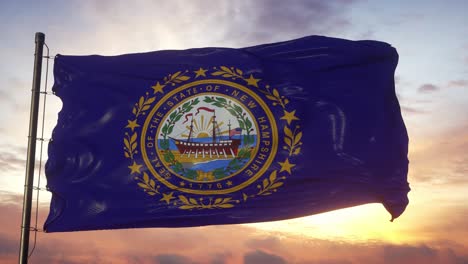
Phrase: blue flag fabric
(211, 136)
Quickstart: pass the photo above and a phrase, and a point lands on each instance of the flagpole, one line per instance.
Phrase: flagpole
(31, 156)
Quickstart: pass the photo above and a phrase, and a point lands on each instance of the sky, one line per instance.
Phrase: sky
(431, 83)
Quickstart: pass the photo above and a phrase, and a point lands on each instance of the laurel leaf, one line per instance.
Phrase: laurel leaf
(146, 107)
(297, 138)
(127, 144)
(226, 69)
(275, 93)
(217, 73)
(141, 102)
(183, 78)
(175, 75)
(225, 205)
(152, 183)
(142, 185)
(185, 207)
(134, 145)
(151, 193)
(133, 138)
(239, 72)
(150, 100)
(248, 124)
(134, 110)
(266, 193)
(271, 97)
(226, 200)
(288, 141)
(183, 199)
(286, 101)
(245, 196)
(276, 185)
(193, 201)
(146, 177)
(169, 129)
(226, 75)
(297, 151)
(218, 200)
(127, 155)
(265, 183)
(273, 176)
(288, 132)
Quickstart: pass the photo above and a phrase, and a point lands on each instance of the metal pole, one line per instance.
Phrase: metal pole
(31, 157)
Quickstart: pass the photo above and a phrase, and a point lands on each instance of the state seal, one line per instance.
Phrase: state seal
(207, 142)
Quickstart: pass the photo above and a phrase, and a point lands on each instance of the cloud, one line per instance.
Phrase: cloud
(442, 159)
(198, 24)
(261, 257)
(427, 88)
(420, 254)
(458, 83)
(10, 160)
(226, 244)
(172, 259)
(398, 254)
(221, 258)
(7, 245)
(411, 110)
(268, 243)
(13, 159)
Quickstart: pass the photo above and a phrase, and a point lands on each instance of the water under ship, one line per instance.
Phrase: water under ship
(216, 149)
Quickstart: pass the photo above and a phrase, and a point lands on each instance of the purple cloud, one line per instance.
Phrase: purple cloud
(411, 110)
(261, 257)
(172, 259)
(458, 83)
(427, 88)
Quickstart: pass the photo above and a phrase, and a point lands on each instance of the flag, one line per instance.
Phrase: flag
(236, 131)
(143, 139)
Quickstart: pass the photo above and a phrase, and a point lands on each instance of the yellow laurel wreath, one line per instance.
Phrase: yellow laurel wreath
(232, 73)
(192, 203)
(292, 140)
(144, 104)
(175, 78)
(149, 185)
(131, 144)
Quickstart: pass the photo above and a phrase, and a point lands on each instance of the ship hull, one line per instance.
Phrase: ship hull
(222, 149)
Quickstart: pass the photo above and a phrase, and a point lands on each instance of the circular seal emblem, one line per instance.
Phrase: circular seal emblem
(211, 138)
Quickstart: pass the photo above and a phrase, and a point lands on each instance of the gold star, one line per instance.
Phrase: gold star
(132, 124)
(200, 72)
(167, 198)
(158, 88)
(286, 166)
(229, 183)
(252, 81)
(289, 116)
(135, 168)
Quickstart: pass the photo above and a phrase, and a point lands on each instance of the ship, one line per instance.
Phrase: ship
(218, 148)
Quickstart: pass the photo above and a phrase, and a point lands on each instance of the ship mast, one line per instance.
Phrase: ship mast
(214, 127)
(229, 129)
(191, 129)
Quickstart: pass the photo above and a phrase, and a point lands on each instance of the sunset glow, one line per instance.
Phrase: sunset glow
(431, 82)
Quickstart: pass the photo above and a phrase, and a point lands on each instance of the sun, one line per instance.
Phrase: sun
(203, 135)
(203, 127)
